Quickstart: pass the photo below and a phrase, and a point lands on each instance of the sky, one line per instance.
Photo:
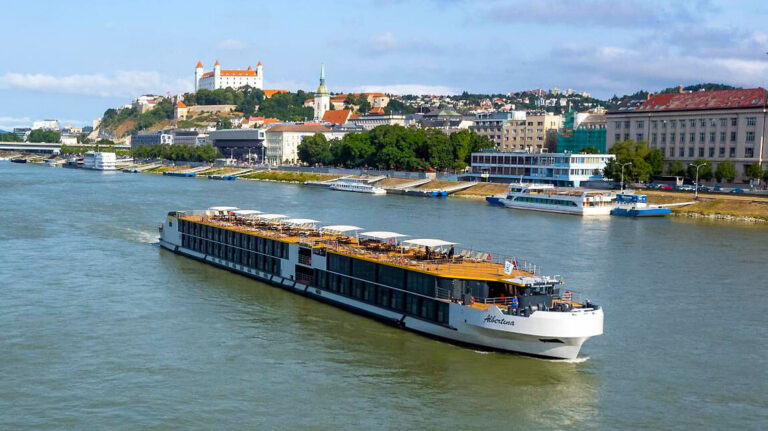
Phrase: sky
(72, 60)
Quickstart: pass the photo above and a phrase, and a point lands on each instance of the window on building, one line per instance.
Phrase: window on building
(626, 136)
(626, 124)
(712, 122)
(702, 122)
(690, 151)
(711, 151)
(682, 137)
(732, 152)
(749, 152)
(639, 137)
(702, 137)
(734, 121)
(663, 138)
(654, 124)
(640, 124)
(693, 137)
(750, 136)
(721, 152)
(692, 123)
(672, 138)
(751, 121)
(664, 151)
(653, 138)
(723, 122)
(722, 136)
(664, 124)
(701, 151)
(711, 136)
(682, 124)
(673, 123)
(682, 152)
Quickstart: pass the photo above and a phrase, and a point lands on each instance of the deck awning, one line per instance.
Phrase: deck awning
(428, 242)
(382, 235)
(245, 213)
(222, 208)
(270, 217)
(299, 221)
(341, 228)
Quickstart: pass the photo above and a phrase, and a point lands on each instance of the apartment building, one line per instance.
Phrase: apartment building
(712, 125)
(515, 131)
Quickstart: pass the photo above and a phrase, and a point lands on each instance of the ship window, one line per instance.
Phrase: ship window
(364, 269)
(357, 289)
(442, 312)
(427, 309)
(382, 299)
(412, 304)
(391, 276)
(344, 285)
(369, 293)
(397, 300)
(320, 279)
(340, 264)
(333, 282)
(421, 283)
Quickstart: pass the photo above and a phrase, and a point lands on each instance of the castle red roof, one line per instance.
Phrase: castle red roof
(703, 100)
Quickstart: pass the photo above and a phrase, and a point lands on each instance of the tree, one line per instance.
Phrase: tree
(725, 171)
(626, 152)
(223, 123)
(705, 172)
(753, 171)
(765, 175)
(40, 135)
(315, 150)
(589, 150)
(655, 159)
(9, 137)
(676, 168)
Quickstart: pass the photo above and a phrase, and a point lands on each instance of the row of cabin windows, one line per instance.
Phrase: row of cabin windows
(232, 254)
(403, 302)
(411, 281)
(545, 201)
(236, 239)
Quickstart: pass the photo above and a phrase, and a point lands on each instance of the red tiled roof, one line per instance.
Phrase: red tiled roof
(250, 72)
(337, 117)
(306, 128)
(199, 64)
(704, 100)
(377, 111)
(270, 93)
(181, 105)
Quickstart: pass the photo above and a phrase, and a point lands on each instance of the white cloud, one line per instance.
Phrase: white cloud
(8, 123)
(121, 84)
(231, 45)
(406, 89)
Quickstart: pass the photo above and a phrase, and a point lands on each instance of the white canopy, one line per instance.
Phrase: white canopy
(243, 213)
(270, 216)
(382, 235)
(427, 242)
(301, 221)
(222, 208)
(341, 228)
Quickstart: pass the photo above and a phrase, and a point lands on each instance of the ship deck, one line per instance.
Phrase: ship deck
(411, 259)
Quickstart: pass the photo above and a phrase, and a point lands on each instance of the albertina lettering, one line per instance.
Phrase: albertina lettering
(502, 321)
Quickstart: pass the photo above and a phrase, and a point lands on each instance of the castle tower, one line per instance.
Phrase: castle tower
(198, 75)
(259, 76)
(322, 98)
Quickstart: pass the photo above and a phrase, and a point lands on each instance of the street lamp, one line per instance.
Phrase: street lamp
(696, 192)
(622, 174)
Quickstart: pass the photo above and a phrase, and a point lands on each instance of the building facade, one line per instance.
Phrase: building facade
(582, 130)
(368, 122)
(716, 126)
(570, 170)
(515, 131)
(240, 143)
(283, 140)
(218, 78)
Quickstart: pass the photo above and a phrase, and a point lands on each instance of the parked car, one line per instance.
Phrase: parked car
(737, 191)
(653, 186)
(718, 188)
(665, 187)
(704, 189)
(685, 188)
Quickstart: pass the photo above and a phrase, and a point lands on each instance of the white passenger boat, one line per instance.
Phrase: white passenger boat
(355, 185)
(545, 197)
(467, 297)
(99, 161)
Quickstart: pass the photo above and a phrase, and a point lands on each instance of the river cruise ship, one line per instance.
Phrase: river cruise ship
(353, 185)
(467, 297)
(545, 197)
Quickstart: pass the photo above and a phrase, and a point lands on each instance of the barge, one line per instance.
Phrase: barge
(423, 285)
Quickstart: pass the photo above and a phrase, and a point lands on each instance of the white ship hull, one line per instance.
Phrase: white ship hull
(356, 189)
(581, 211)
(550, 334)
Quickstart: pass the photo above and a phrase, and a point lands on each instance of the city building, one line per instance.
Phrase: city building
(68, 140)
(491, 125)
(22, 132)
(368, 122)
(145, 103)
(240, 144)
(560, 169)
(180, 111)
(322, 99)
(159, 137)
(283, 141)
(712, 125)
(581, 130)
(340, 116)
(46, 125)
(533, 131)
(218, 78)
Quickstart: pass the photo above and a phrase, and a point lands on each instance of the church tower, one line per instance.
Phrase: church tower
(322, 98)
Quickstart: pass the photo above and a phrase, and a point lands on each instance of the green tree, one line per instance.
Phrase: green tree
(223, 123)
(676, 168)
(656, 160)
(397, 107)
(315, 150)
(589, 150)
(753, 171)
(765, 175)
(9, 137)
(705, 172)
(48, 136)
(725, 171)
(628, 152)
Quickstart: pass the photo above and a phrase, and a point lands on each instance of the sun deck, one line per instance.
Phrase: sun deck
(464, 265)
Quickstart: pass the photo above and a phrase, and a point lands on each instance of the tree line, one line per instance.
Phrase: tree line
(645, 163)
(394, 147)
(190, 153)
(251, 101)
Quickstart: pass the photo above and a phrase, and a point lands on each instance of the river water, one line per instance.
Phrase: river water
(102, 329)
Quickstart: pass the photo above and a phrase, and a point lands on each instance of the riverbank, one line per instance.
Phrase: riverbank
(715, 206)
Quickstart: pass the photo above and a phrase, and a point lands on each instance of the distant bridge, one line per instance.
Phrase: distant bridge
(44, 147)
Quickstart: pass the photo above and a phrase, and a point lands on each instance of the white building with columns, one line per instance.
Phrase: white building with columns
(322, 100)
(218, 78)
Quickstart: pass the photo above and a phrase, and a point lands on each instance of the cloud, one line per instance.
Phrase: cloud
(406, 89)
(231, 45)
(8, 123)
(388, 44)
(603, 13)
(120, 84)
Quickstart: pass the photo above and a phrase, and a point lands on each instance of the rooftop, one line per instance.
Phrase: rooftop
(299, 128)
(699, 100)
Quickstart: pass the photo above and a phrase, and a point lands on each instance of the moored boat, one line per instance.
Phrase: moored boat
(545, 197)
(423, 285)
(632, 205)
(354, 185)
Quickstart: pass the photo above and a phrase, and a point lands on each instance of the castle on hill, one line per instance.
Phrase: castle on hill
(218, 78)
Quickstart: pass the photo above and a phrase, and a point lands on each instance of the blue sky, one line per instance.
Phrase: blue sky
(72, 60)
